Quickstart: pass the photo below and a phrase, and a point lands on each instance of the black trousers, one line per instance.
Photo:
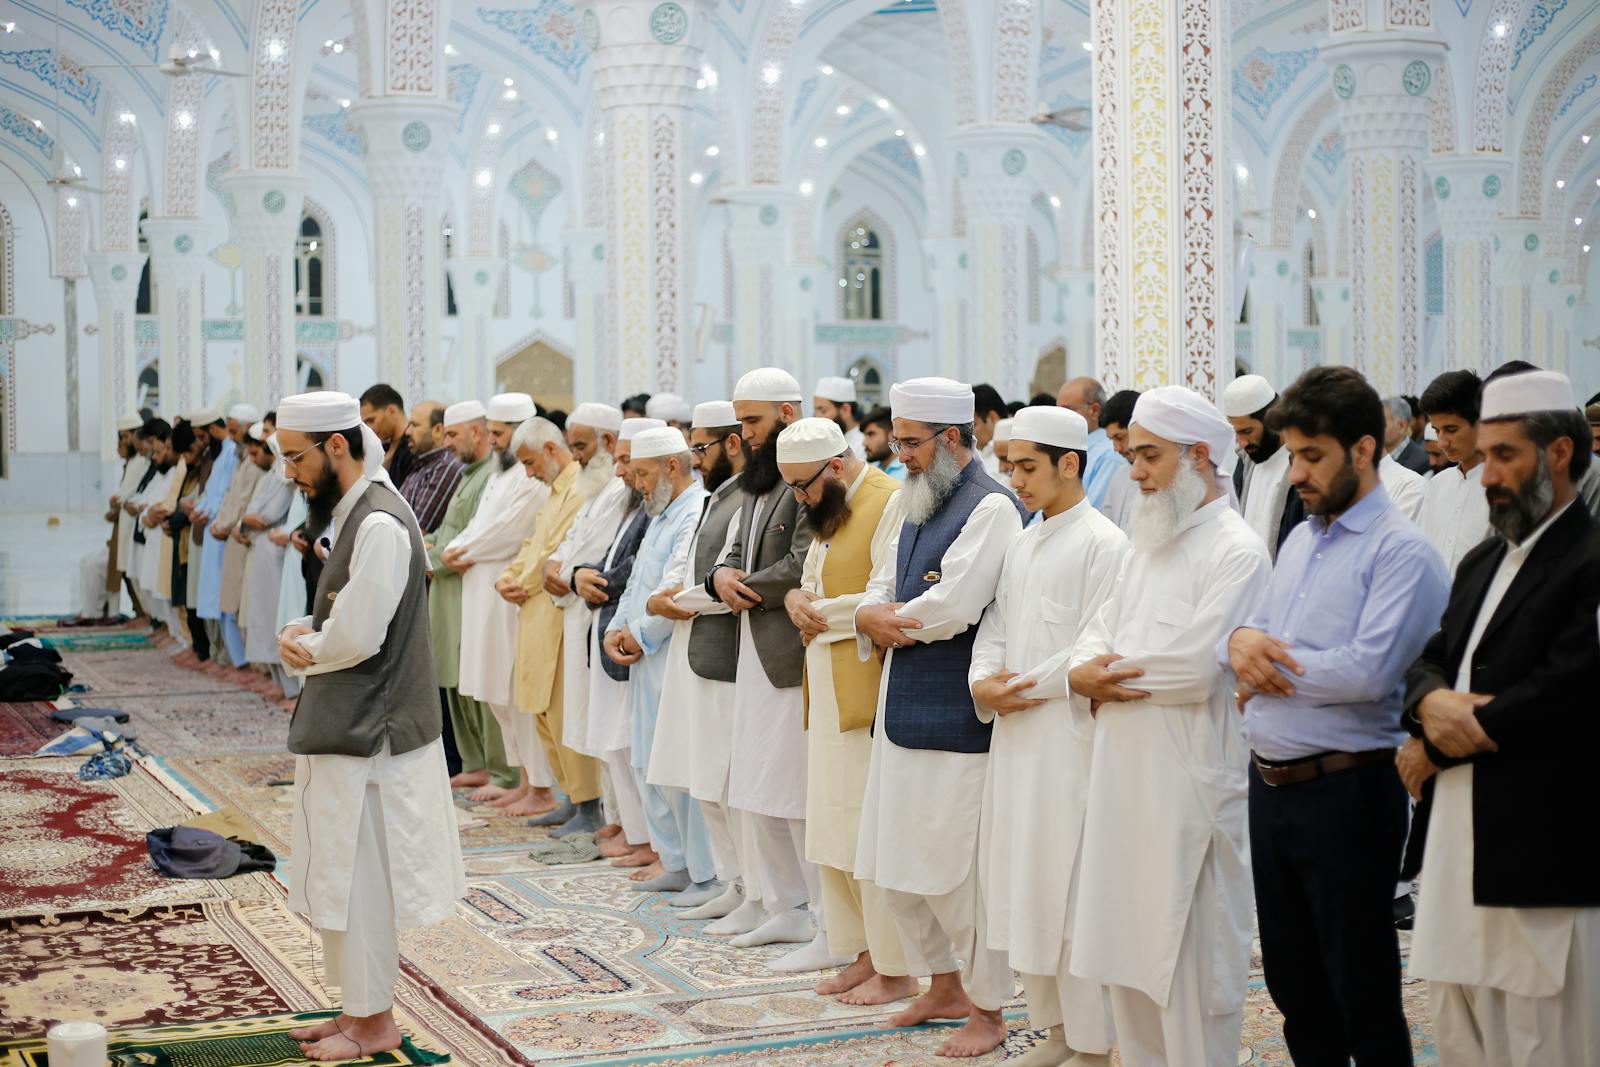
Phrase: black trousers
(1324, 855)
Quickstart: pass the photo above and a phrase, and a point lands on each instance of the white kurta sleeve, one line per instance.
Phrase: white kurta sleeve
(969, 572)
(359, 618)
(590, 540)
(498, 533)
(989, 647)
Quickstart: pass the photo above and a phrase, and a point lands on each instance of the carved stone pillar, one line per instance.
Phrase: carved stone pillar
(1332, 296)
(476, 282)
(1469, 192)
(177, 256)
(947, 261)
(585, 252)
(266, 221)
(992, 163)
(115, 277)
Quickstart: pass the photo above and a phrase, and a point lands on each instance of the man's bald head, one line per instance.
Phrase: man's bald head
(426, 427)
(1086, 396)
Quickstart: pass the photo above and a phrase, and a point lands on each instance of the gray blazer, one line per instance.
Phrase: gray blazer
(1413, 457)
(775, 563)
(714, 639)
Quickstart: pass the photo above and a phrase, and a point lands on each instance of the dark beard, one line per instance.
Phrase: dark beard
(505, 459)
(1516, 513)
(1341, 490)
(721, 470)
(635, 498)
(1263, 450)
(880, 457)
(827, 515)
(166, 465)
(760, 467)
(322, 499)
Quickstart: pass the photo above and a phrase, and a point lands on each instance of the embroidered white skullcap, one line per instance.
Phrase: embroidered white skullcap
(258, 431)
(1429, 433)
(632, 428)
(931, 400)
(248, 413)
(510, 407)
(464, 411)
(1247, 395)
(838, 390)
(596, 416)
(658, 441)
(1002, 431)
(131, 422)
(1184, 417)
(714, 415)
(1057, 427)
(669, 407)
(810, 440)
(771, 384)
(320, 412)
(1526, 393)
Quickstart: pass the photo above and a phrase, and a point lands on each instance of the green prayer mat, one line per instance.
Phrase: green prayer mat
(261, 1041)
(95, 642)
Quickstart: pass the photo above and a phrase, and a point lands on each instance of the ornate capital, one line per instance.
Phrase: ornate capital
(178, 247)
(266, 207)
(475, 281)
(647, 52)
(1384, 84)
(1470, 192)
(406, 141)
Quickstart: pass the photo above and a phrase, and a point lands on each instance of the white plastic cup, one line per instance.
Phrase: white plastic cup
(77, 1043)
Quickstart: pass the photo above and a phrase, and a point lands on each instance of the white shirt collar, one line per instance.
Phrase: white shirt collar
(348, 501)
(861, 476)
(1521, 550)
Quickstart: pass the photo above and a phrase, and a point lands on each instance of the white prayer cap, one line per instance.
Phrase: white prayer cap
(1526, 393)
(838, 390)
(931, 400)
(1057, 427)
(596, 416)
(657, 441)
(258, 431)
(130, 422)
(1002, 431)
(511, 407)
(632, 428)
(248, 413)
(714, 415)
(771, 384)
(464, 411)
(203, 416)
(1429, 433)
(809, 440)
(319, 412)
(1247, 395)
(668, 406)
(1184, 417)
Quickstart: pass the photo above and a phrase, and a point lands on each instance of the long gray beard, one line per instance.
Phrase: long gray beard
(596, 474)
(1517, 519)
(1156, 516)
(925, 493)
(659, 498)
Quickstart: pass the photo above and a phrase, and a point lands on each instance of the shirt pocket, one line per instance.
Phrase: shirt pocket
(1169, 618)
(1060, 622)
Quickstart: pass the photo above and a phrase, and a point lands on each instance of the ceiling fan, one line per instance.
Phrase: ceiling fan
(1074, 119)
(63, 175)
(180, 62)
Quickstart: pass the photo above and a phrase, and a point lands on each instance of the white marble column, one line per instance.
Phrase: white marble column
(992, 163)
(646, 60)
(476, 282)
(585, 252)
(266, 222)
(1275, 309)
(407, 141)
(758, 226)
(1469, 192)
(177, 257)
(1517, 242)
(1075, 292)
(115, 277)
(1384, 82)
(1332, 295)
(947, 263)
(1162, 193)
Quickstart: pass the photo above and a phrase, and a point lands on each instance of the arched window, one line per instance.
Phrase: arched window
(307, 374)
(448, 237)
(147, 393)
(309, 258)
(145, 302)
(862, 280)
(869, 383)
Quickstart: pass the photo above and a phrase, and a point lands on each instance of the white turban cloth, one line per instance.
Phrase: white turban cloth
(327, 411)
(1184, 417)
(934, 400)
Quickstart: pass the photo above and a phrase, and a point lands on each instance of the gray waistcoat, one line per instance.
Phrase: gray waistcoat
(714, 639)
(390, 696)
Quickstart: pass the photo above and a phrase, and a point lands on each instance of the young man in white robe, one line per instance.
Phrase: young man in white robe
(263, 567)
(1455, 511)
(100, 572)
(919, 814)
(1167, 924)
(374, 841)
(1056, 576)
(480, 553)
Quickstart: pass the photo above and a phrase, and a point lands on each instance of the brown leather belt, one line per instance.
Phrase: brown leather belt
(1304, 770)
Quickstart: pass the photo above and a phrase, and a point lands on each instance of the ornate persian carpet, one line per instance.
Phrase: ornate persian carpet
(137, 672)
(204, 724)
(67, 845)
(26, 726)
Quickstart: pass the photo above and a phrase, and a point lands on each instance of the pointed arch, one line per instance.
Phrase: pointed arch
(1292, 161)
(1536, 128)
(871, 221)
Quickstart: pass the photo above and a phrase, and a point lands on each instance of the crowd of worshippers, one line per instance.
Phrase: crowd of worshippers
(1085, 690)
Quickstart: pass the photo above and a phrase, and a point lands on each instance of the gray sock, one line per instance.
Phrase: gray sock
(586, 819)
(670, 882)
(561, 814)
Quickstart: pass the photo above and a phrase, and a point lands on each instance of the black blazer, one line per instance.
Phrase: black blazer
(1539, 657)
(1294, 509)
(628, 540)
(1413, 456)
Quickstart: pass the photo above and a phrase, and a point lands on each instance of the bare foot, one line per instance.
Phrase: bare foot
(881, 989)
(365, 1037)
(852, 976)
(614, 847)
(983, 1033)
(607, 832)
(469, 778)
(943, 1000)
(507, 797)
(640, 856)
(527, 806)
(289, 703)
(644, 874)
(485, 794)
(312, 1033)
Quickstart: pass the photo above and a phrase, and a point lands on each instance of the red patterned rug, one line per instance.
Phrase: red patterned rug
(25, 727)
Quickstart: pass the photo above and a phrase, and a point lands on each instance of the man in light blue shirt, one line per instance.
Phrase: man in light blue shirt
(1356, 593)
(1087, 396)
(877, 429)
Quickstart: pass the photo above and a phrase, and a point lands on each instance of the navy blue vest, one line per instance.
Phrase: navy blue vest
(929, 702)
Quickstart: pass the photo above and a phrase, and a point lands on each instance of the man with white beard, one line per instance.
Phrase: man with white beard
(694, 732)
(1167, 924)
(480, 553)
(1055, 577)
(919, 816)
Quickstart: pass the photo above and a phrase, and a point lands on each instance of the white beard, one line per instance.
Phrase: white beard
(660, 497)
(596, 474)
(1157, 515)
(924, 493)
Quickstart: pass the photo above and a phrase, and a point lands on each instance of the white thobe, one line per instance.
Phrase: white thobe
(263, 568)
(148, 554)
(1122, 493)
(1055, 578)
(1455, 513)
(1266, 487)
(491, 540)
(1169, 772)
(405, 798)
(991, 462)
(589, 538)
(610, 728)
(137, 466)
(1406, 488)
(1508, 987)
(855, 440)
(292, 584)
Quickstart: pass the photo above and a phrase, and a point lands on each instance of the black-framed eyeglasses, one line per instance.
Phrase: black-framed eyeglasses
(700, 450)
(903, 445)
(294, 459)
(801, 487)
